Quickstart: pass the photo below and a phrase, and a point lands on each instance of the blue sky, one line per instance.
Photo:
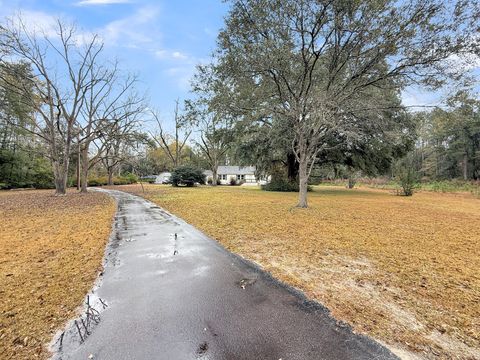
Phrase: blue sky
(160, 40)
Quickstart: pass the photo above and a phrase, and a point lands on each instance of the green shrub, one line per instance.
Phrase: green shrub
(131, 178)
(98, 181)
(406, 177)
(117, 180)
(209, 181)
(187, 175)
(43, 179)
(233, 181)
(120, 181)
(450, 185)
(282, 184)
(22, 169)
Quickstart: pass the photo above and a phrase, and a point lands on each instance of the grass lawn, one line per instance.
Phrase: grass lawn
(404, 270)
(51, 251)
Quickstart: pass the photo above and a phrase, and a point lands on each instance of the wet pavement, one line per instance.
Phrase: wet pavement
(167, 296)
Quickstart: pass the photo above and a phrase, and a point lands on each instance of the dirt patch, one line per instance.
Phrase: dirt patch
(51, 250)
(402, 270)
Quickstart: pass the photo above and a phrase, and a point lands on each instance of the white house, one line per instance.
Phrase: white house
(163, 178)
(242, 174)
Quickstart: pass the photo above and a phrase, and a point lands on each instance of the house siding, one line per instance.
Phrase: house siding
(245, 174)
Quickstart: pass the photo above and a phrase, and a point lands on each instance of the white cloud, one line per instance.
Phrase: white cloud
(179, 55)
(132, 30)
(181, 75)
(37, 22)
(181, 66)
(182, 72)
(210, 32)
(135, 31)
(101, 2)
(171, 55)
(161, 54)
(138, 30)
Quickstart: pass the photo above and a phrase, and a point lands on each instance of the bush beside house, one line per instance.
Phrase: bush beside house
(187, 176)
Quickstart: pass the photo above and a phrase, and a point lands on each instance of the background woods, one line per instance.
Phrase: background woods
(304, 91)
(61, 97)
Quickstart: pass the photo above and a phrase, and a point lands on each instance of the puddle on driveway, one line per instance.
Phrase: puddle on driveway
(161, 306)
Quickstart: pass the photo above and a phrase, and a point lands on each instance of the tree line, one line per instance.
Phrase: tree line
(448, 140)
(60, 99)
(293, 87)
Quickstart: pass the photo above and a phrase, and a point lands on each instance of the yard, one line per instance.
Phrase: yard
(51, 251)
(404, 270)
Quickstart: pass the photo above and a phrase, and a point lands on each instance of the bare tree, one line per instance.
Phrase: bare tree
(61, 68)
(165, 141)
(111, 110)
(116, 143)
(215, 141)
(210, 116)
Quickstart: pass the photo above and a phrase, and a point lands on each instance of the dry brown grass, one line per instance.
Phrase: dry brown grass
(404, 270)
(50, 254)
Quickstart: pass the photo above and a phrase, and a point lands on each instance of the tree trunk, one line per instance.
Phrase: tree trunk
(84, 170)
(351, 182)
(61, 163)
(78, 162)
(465, 166)
(77, 172)
(351, 178)
(214, 172)
(303, 182)
(214, 176)
(110, 176)
(61, 176)
(292, 167)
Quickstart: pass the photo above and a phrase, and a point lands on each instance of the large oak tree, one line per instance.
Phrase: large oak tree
(314, 65)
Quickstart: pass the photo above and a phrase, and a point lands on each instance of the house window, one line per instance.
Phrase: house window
(224, 177)
(240, 177)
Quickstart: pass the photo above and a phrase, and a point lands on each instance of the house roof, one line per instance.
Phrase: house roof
(236, 170)
(232, 170)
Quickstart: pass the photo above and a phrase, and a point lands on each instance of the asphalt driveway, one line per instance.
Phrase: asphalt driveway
(170, 292)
